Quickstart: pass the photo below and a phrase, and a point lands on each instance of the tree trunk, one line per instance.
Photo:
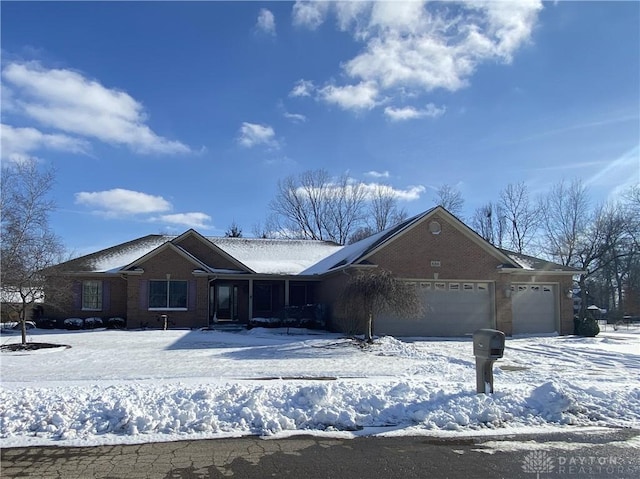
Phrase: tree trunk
(368, 335)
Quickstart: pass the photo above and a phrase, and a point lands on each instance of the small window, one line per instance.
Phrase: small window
(546, 289)
(440, 286)
(435, 228)
(92, 295)
(467, 287)
(454, 286)
(482, 286)
(425, 285)
(435, 264)
(535, 288)
(168, 294)
(522, 287)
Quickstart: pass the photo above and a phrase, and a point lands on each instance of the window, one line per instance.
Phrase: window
(262, 296)
(454, 286)
(435, 263)
(167, 294)
(440, 286)
(92, 295)
(467, 287)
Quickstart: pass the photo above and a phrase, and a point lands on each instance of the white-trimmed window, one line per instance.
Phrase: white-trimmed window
(92, 295)
(168, 294)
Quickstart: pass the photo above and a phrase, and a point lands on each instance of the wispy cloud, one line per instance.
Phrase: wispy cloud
(295, 117)
(377, 174)
(411, 113)
(266, 22)
(302, 88)
(309, 14)
(189, 220)
(20, 144)
(363, 96)
(253, 134)
(67, 101)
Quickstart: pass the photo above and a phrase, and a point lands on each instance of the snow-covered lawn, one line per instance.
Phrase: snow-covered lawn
(143, 386)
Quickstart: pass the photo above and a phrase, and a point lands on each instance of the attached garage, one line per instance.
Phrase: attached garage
(534, 308)
(452, 308)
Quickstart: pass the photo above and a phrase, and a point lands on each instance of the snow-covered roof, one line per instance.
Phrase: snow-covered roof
(531, 263)
(265, 256)
(276, 256)
(353, 252)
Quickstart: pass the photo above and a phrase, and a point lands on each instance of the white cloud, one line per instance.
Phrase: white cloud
(302, 88)
(252, 134)
(362, 96)
(67, 101)
(377, 174)
(295, 117)
(421, 46)
(310, 14)
(190, 220)
(19, 144)
(119, 201)
(411, 193)
(266, 22)
(411, 113)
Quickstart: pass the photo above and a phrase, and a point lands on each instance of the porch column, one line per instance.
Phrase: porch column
(250, 299)
(286, 292)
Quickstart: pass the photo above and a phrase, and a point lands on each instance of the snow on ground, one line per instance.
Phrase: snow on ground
(142, 386)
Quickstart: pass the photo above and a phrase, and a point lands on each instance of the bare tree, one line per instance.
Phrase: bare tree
(383, 209)
(450, 199)
(29, 246)
(489, 222)
(367, 294)
(521, 216)
(315, 206)
(565, 215)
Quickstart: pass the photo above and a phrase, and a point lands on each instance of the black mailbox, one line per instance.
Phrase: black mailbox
(488, 344)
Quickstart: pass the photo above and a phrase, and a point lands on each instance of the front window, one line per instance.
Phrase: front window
(92, 295)
(262, 296)
(167, 295)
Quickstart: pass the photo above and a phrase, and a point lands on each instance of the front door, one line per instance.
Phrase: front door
(225, 303)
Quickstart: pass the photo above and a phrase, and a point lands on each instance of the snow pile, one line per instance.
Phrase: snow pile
(180, 384)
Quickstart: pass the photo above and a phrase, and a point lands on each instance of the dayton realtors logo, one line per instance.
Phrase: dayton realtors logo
(541, 462)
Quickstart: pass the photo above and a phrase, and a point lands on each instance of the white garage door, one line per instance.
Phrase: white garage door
(534, 308)
(451, 309)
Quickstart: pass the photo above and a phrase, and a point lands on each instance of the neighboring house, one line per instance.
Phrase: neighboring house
(466, 283)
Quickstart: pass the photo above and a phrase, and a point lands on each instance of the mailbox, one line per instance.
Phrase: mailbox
(488, 344)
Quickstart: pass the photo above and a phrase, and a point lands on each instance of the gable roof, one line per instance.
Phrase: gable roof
(264, 256)
(358, 252)
(293, 257)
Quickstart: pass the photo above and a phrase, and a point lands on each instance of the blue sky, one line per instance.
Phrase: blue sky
(160, 116)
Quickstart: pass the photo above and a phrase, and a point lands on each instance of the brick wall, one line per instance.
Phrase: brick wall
(156, 268)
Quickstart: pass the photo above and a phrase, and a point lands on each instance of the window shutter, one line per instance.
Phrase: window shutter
(143, 286)
(106, 295)
(193, 291)
(77, 295)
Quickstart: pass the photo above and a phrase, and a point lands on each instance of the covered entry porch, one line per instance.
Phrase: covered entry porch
(238, 300)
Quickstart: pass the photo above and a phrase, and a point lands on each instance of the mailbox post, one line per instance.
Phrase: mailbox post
(488, 345)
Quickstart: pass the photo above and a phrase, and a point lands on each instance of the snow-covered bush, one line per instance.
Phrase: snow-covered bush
(92, 323)
(116, 323)
(74, 323)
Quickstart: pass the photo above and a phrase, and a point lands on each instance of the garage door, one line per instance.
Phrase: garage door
(534, 308)
(451, 309)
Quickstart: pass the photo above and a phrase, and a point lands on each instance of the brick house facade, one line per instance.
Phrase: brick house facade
(465, 282)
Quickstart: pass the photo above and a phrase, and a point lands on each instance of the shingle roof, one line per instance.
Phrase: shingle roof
(267, 256)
